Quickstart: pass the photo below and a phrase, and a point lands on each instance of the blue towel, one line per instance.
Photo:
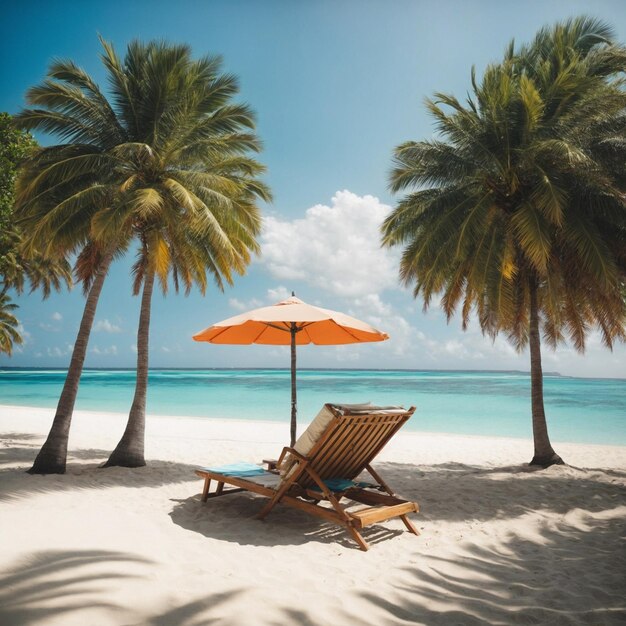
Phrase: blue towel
(241, 468)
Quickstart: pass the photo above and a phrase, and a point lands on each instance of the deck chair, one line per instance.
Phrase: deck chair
(317, 480)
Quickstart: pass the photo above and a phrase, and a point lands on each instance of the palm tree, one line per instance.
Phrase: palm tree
(136, 166)
(189, 187)
(9, 334)
(518, 211)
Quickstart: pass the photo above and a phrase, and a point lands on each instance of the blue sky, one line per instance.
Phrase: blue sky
(336, 85)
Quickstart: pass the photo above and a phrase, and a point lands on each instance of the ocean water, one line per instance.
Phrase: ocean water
(481, 403)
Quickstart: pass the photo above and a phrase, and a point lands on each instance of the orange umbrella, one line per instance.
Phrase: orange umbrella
(291, 322)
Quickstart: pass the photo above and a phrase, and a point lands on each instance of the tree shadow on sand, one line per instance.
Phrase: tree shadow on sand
(25, 452)
(546, 580)
(482, 494)
(53, 583)
(85, 463)
(59, 585)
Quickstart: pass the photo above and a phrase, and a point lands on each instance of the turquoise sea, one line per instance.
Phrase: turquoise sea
(482, 403)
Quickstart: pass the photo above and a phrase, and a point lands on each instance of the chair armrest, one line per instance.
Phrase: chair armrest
(287, 450)
(271, 464)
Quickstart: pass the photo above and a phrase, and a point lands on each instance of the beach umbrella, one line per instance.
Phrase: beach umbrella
(291, 322)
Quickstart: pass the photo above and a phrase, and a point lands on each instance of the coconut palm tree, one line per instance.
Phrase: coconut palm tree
(517, 212)
(135, 166)
(191, 189)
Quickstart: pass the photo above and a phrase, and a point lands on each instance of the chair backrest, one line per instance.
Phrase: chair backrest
(351, 441)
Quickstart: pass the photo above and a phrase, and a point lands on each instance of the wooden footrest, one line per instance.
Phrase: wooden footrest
(374, 514)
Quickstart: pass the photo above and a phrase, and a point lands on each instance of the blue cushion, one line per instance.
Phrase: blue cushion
(341, 484)
(241, 468)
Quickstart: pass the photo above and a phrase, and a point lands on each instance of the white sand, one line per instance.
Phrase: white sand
(500, 544)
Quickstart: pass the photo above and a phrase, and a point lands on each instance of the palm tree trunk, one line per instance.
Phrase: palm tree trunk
(544, 454)
(130, 450)
(53, 454)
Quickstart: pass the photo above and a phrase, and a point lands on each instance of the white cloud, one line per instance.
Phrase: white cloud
(133, 348)
(373, 305)
(335, 248)
(56, 316)
(272, 296)
(106, 327)
(165, 349)
(110, 351)
(59, 352)
(239, 305)
(278, 294)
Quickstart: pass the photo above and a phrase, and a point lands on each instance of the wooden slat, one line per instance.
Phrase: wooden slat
(394, 430)
(332, 448)
(324, 446)
(336, 452)
(361, 434)
(375, 514)
(360, 431)
(356, 464)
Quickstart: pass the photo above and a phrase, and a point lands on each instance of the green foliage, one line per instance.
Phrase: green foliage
(163, 160)
(524, 189)
(16, 265)
(15, 146)
(9, 334)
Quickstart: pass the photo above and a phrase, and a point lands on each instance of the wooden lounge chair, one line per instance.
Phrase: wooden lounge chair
(349, 442)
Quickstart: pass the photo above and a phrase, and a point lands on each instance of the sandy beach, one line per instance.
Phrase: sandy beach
(499, 544)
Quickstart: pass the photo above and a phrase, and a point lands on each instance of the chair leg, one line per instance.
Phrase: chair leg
(205, 489)
(409, 524)
(356, 535)
(263, 513)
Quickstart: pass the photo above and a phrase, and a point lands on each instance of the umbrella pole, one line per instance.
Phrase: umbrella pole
(294, 406)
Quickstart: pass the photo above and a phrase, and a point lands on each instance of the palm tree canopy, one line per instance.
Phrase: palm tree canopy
(165, 158)
(524, 189)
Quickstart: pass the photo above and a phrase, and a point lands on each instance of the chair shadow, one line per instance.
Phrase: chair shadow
(232, 518)
(510, 492)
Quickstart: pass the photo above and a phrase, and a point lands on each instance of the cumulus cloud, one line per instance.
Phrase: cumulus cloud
(110, 351)
(59, 352)
(272, 296)
(56, 316)
(240, 305)
(335, 248)
(277, 294)
(105, 326)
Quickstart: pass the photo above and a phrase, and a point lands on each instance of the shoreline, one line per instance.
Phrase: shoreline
(407, 443)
